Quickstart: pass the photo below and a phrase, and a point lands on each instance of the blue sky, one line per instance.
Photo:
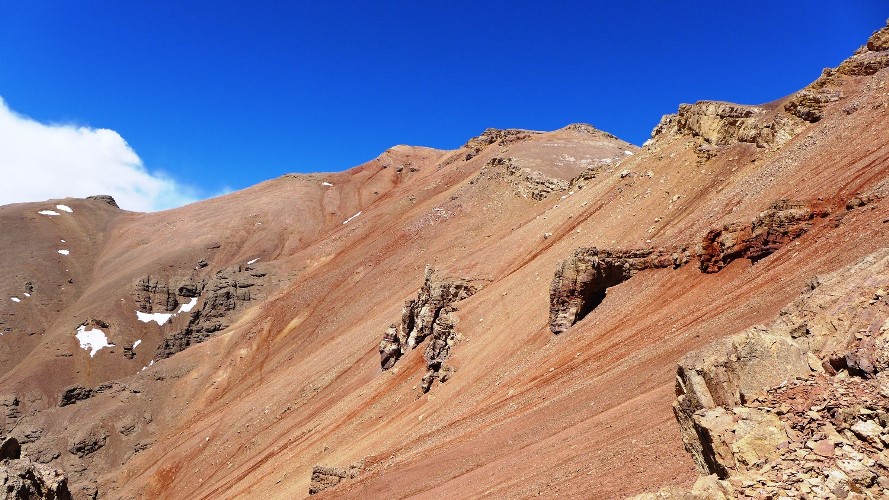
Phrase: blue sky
(222, 95)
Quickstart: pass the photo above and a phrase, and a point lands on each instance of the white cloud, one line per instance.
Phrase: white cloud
(43, 161)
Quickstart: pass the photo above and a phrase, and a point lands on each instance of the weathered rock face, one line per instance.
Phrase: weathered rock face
(799, 409)
(104, 198)
(228, 290)
(10, 412)
(494, 136)
(808, 104)
(153, 295)
(713, 124)
(525, 182)
(781, 223)
(23, 479)
(76, 393)
(428, 316)
(328, 477)
(580, 281)
(724, 375)
(717, 123)
(88, 441)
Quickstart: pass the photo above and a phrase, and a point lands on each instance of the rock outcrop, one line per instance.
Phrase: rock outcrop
(23, 479)
(328, 477)
(104, 198)
(228, 290)
(525, 183)
(782, 222)
(801, 408)
(76, 393)
(428, 316)
(714, 124)
(494, 136)
(580, 282)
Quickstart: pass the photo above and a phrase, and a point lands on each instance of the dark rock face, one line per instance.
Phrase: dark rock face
(104, 198)
(328, 477)
(23, 479)
(88, 442)
(781, 223)
(77, 393)
(221, 294)
(580, 281)
(428, 316)
(153, 295)
(10, 449)
(10, 411)
(228, 290)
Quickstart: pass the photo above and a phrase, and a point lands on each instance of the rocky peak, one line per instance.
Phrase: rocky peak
(104, 198)
(495, 136)
(586, 128)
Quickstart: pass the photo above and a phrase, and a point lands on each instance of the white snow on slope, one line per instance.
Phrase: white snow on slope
(350, 218)
(65, 208)
(162, 318)
(159, 318)
(15, 299)
(253, 261)
(64, 252)
(48, 212)
(184, 308)
(136, 343)
(27, 294)
(92, 340)
(325, 183)
(628, 153)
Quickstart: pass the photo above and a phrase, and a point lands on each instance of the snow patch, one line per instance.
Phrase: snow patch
(629, 153)
(48, 212)
(92, 340)
(15, 299)
(64, 252)
(325, 183)
(184, 308)
(162, 318)
(136, 343)
(27, 295)
(65, 208)
(253, 261)
(350, 218)
(62, 241)
(159, 318)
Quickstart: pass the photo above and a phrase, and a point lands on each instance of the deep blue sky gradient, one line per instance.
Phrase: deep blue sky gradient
(227, 94)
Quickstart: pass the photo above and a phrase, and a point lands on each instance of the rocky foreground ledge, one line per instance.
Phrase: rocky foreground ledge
(798, 409)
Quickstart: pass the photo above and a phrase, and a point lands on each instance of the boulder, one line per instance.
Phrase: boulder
(24, 479)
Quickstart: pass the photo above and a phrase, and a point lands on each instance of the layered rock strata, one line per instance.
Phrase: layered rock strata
(801, 408)
(580, 282)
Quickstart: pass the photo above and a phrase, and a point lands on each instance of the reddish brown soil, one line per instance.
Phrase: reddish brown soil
(295, 381)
